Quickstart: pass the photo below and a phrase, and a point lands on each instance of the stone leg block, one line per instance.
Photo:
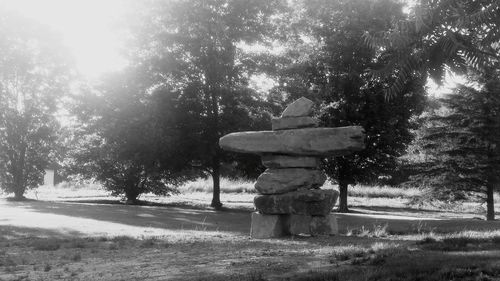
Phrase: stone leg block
(299, 224)
(286, 161)
(324, 225)
(268, 226)
(305, 202)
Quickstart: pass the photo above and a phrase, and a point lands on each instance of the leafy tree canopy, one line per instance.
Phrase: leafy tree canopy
(125, 132)
(439, 35)
(33, 76)
(337, 76)
(460, 142)
(191, 47)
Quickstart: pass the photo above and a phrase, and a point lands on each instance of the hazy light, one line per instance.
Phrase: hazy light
(262, 83)
(86, 27)
(450, 82)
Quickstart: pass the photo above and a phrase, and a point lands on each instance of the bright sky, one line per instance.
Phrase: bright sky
(89, 31)
(86, 27)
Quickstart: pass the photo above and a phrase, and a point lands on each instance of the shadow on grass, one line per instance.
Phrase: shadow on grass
(184, 205)
(409, 209)
(9, 232)
(401, 224)
(163, 216)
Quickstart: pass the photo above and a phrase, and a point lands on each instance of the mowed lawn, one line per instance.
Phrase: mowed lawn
(81, 233)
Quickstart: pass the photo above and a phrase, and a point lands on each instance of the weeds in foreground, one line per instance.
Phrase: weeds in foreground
(319, 276)
(6, 260)
(374, 255)
(46, 244)
(76, 257)
(47, 267)
(148, 243)
(377, 231)
(251, 276)
(460, 243)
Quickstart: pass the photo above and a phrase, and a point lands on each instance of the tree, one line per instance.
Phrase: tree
(33, 76)
(125, 132)
(192, 47)
(461, 141)
(337, 77)
(439, 35)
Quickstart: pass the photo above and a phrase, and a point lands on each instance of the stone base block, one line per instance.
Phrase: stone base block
(268, 226)
(312, 225)
(273, 226)
(306, 202)
(324, 225)
(299, 224)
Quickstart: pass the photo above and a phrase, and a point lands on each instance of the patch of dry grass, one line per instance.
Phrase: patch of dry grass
(383, 192)
(377, 231)
(227, 185)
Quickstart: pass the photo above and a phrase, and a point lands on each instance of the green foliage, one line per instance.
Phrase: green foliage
(461, 143)
(439, 35)
(191, 46)
(124, 136)
(33, 75)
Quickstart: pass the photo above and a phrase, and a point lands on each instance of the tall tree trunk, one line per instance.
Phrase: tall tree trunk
(216, 182)
(492, 178)
(215, 135)
(343, 197)
(19, 182)
(490, 203)
(132, 191)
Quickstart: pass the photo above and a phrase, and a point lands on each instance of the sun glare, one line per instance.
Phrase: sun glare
(87, 28)
(450, 82)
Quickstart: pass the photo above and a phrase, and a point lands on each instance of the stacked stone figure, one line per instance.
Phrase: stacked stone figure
(290, 200)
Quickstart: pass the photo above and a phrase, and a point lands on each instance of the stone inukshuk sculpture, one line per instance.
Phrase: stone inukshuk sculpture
(289, 200)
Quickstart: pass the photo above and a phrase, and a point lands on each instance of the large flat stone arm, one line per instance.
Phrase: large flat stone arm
(310, 141)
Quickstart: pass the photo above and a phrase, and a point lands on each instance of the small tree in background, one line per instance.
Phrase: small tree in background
(124, 134)
(461, 142)
(33, 76)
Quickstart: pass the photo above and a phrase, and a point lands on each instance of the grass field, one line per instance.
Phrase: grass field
(245, 186)
(181, 238)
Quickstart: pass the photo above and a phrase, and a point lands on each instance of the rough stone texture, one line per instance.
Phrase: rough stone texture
(268, 226)
(299, 224)
(323, 225)
(284, 161)
(288, 202)
(276, 181)
(293, 123)
(300, 107)
(312, 225)
(304, 202)
(309, 141)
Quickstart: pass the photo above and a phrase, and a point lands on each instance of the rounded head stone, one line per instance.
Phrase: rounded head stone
(300, 107)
